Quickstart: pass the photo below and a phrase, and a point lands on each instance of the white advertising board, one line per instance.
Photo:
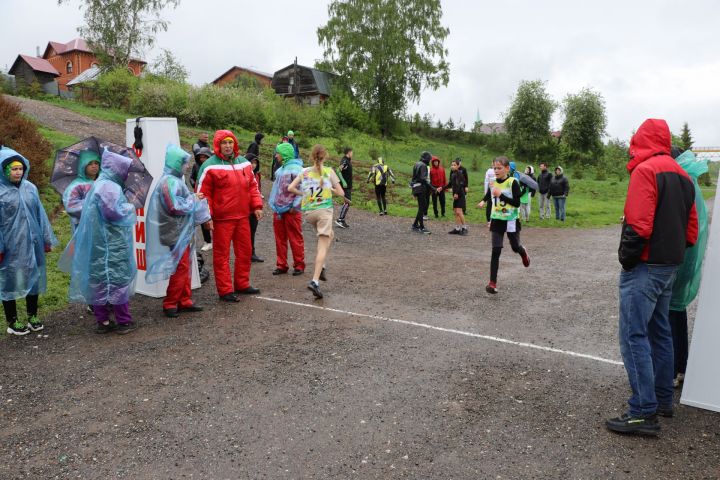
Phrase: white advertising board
(702, 379)
(157, 133)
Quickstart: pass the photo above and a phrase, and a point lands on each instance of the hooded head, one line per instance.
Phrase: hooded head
(86, 158)
(425, 157)
(435, 161)
(115, 166)
(258, 137)
(381, 161)
(559, 168)
(8, 157)
(204, 151)
(253, 159)
(652, 138)
(175, 159)
(512, 168)
(290, 133)
(529, 170)
(221, 135)
(286, 151)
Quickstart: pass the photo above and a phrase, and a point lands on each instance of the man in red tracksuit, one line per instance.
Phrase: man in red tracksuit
(227, 181)
(660, 222)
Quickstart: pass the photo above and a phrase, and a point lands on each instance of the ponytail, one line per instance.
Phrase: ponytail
(318, 156)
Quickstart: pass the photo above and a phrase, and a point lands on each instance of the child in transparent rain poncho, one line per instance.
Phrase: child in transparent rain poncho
(25, 237)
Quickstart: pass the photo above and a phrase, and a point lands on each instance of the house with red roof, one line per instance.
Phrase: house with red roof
(28, 70)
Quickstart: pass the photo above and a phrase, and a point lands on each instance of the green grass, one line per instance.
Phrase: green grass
(99, 113)
(57, 282)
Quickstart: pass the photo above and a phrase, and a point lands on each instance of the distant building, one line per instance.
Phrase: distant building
(492, 128)
(231, 75)
(307, 85)
(28, 69)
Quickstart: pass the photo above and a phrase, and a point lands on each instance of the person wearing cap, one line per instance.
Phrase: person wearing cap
(291, 141)
(200, 144)
(200, 156)
(420, 185)
(25, 237)
(227, 181)
(172, 213)
(287, 216)
(75, 193)
(255, 163)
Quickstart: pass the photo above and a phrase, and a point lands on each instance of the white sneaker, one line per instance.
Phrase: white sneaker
(207, 247)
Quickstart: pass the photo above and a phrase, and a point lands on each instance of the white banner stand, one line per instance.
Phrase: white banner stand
(157, 133)
(702, 383)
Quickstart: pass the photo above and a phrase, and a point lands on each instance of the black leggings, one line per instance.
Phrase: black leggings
(207, 236)
(488, 210)
(380, 197)
(10, 307)
(253, 229)
(422, 201)
(679, 328)
(497, 243)
(435, 197)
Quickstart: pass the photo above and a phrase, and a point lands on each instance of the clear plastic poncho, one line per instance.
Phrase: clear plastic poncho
(100, 257)
(172, 214)
(687, 281)
(24, 232)
(281, 200)
(75, 194)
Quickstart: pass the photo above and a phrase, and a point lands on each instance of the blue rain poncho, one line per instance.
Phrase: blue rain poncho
(281, 200)
(687, 280)
(100, 256)
(172, 214)
(24, 233)
(75, 194)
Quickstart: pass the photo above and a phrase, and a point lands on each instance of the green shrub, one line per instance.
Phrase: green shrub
(116, 88)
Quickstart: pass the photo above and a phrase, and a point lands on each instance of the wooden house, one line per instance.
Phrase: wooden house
(265, 79)
(307, 85)
(28, 69)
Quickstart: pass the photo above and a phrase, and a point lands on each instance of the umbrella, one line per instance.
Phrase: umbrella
(65, 169)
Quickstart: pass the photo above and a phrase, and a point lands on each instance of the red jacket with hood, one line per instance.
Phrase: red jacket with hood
(228, 183)
(437, 173)
(660, 216)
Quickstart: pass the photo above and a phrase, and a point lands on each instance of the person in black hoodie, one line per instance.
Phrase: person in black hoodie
(559, 189)
(254, 147)
(347, 175)
(457, 184)
(420, 185)
(543, 181)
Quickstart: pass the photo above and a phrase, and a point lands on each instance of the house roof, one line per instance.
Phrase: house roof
(322, 79)
(87, 76)
(252, 70)
(37, 64)
(77, 44)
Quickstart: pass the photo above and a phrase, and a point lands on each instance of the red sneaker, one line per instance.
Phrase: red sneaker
(525, 257)
(491, 288)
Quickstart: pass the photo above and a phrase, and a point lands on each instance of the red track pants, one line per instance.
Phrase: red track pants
(289, 228)
(179, 293)
(237, 232)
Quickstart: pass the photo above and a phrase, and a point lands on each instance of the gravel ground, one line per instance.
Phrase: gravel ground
(263, 389)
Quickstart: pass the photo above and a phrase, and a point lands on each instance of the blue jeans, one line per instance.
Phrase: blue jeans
(559, 208)
(645, 337)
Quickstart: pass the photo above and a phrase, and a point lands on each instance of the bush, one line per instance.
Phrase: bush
(116, 88)
(21, 134)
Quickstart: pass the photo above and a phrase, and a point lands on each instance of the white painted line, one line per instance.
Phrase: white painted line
(448, 330)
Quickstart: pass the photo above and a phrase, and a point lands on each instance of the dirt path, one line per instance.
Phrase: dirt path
(264, 389)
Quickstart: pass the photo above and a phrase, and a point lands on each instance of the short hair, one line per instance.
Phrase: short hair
(544, 163)
(503, 160)
(347, 150)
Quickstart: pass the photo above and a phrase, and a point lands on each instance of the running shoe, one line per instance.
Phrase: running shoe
(207, 247)
(125, 328)
(425, 231)
(34, 324)
(525, 257)
(17, 328)
(626, 423)
(315, 289)
(454, 231)
(102, 328)
(491, 288)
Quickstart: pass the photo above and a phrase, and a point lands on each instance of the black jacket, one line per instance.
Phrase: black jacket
(543, 181)
(456, 183)
(346, 172)
(420, 182)
(559, 186)
(255, 146)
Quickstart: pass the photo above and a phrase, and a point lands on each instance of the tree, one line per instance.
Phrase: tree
(528, 119)
(387, 51)
(117, 30)
(685, 137)
(585, 121)
(167, 66)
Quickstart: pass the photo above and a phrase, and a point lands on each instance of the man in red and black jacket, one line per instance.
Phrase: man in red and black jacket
(660, 222)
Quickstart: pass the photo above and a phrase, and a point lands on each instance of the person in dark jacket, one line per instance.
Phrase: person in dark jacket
(660, 222)
(420, 184)
(347, 179)
(464, 173)
(559, 190)
(437, 179)
(457, 185)
(201, 143)
(252, 158)
(291, 141)
(200, 156)
(543, 180)
(254, 147)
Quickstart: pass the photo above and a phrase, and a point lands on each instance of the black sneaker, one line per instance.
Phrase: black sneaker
(491, 288)
(340, 223)
(315, 289)
(278, 271)
(628, 424)
(125, 328)
(229, 297)
(17, 328)
(666, 412)
(463, 231)
(415, 229)
(454, 231)
(171, 312)
(34, 324)
(254, 258)
(105, 327)
(425, 231)
(191, 308)
(248, 291)
(323, 277)
(297, 272)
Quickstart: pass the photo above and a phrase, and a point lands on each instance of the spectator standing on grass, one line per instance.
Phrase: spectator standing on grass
(379, 174)
(346, 171)
(202, 154)
(464, 173)
(544, 179)
(254, 147)
(660, 222)
(287, 216)
(74, 195)
(438, 180)
(317, 184)
(25, 237)
(255, 164)
(101, 256)
(227, 181)
(420, 183)
(489, 181)
(457, 186)
(201, 143)
(291, 141)
(526, 196)
(559, 190)
(505, 196)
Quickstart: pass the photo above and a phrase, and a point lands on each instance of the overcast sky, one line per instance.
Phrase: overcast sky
(648, 58)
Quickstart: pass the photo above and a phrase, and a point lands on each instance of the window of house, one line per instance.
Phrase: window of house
(68, 67)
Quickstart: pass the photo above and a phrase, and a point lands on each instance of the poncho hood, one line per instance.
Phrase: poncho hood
(175, 159)
(286, 151)
(86, 157)
(115, 166)
(8, 155)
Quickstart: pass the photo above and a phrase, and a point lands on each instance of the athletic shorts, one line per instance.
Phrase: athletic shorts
(322, 220)
(460, 202)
